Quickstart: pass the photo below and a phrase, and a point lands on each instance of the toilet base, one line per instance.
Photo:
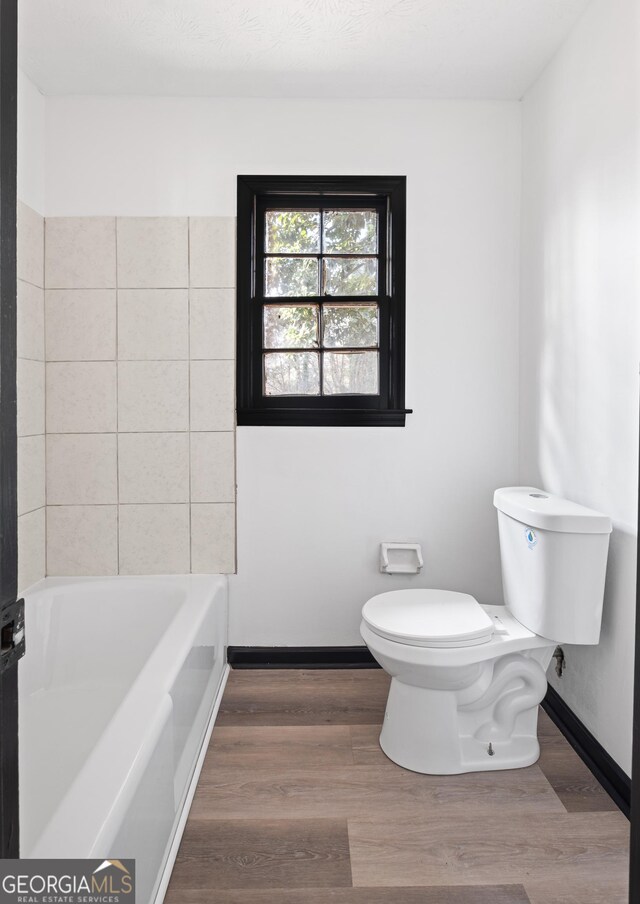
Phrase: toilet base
(513, 754)
(433, 732)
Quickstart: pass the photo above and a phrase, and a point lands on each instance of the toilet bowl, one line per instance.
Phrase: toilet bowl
(466, 678)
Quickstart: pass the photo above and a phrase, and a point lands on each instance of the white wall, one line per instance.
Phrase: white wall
(31, 127)
(314, 503)
(580, 337)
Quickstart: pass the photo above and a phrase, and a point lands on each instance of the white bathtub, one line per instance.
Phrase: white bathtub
(118, 692)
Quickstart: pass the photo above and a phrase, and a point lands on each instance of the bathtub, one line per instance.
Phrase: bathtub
(118, 694)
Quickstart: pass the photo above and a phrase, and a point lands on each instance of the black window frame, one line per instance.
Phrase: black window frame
(388, 195)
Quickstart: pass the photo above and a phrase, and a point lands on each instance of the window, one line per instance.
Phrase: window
(321, 300)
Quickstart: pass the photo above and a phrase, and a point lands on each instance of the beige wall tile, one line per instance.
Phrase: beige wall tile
(153, 467)
(213, 539)
(31, 473)
(212, 467)
(212, 395)
(30, 321)
(153, 324)
(80, 253)
(30, 239)
(212, 251)
(153, 252)
(81, 324)
(31, 549)
(119, 361)
(212, 323)
(154, 539)
(30, 393)
(82, 539)
(153, 396)
(81, 397)
(82, 469)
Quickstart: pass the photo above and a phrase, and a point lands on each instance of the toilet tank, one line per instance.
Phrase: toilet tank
(554, 558)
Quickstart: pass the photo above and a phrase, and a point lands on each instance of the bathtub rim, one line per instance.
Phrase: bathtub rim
(128, 760)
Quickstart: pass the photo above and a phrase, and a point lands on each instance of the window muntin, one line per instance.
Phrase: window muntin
(345, 265)
(321, 300)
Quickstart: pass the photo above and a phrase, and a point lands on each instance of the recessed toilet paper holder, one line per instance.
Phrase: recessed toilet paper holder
(401, 558)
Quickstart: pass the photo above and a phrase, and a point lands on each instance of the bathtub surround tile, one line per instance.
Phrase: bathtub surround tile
(438, 894)
(153, 467)
(30, 245)
(81, 324)
(80, 253)
(82, 540)
(275, 853)
(30, 321)
(305, 697)
(31, 473)
(212, 395)
(153, 396)
(30, 378)
(154, 539)
(212, 323)
(31, 548)
(153, 252)
(82, 469)
(213, 539)
(212, 247)
(213, 467)
(307, 746)
(81, 397)
(127, 330)
(153, 324)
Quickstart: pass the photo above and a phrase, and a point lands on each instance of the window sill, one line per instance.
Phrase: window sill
(315, 417)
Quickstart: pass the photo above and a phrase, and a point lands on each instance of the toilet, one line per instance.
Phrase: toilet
(466, 678)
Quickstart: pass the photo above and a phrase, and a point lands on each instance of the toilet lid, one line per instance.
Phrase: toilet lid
(428, 618)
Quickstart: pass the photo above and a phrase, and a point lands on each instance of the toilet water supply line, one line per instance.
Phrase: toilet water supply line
(530, 691)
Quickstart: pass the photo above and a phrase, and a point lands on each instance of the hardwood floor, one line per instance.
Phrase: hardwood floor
(297, 804)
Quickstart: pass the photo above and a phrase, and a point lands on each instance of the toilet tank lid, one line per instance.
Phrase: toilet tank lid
(536, 508)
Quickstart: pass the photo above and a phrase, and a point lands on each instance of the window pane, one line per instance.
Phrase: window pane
(350, 276)
(291, 326)
(290, 276)
(350, 325)
(350, 372)
(350, 231)
(292, 231)
(292, 373)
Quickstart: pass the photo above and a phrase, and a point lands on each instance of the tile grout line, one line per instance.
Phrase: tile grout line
(124, 360)
(124, 504)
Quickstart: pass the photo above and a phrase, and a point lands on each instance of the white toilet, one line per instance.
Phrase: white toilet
(466, 678)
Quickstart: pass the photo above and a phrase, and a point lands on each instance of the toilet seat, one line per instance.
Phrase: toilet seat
(428, 618)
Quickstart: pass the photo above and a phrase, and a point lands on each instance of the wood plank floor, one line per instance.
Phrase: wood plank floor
(297, 804)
